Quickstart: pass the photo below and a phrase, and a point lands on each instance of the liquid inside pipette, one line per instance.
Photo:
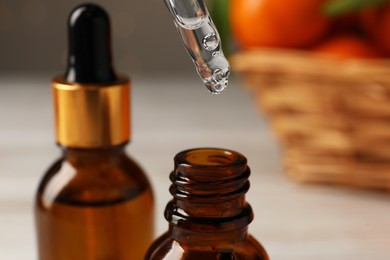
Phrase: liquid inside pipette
(202, 42)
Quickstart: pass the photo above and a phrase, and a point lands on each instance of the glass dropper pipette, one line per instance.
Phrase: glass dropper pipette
(202, 42)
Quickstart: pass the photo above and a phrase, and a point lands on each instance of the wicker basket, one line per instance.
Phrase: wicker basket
(331, 116)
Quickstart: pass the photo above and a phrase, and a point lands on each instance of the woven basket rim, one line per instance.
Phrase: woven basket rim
(307, 63)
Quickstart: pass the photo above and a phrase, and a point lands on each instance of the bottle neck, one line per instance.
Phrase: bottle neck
(93, 155)
(91, 115)
(208, 189)
(202, 239)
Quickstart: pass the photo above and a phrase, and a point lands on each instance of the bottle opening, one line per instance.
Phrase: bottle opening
(210, 157)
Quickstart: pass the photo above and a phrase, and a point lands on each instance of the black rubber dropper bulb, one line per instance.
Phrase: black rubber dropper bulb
(89, 46)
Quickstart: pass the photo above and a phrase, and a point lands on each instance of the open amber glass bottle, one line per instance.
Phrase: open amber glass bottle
(208, 216)
(95, 202)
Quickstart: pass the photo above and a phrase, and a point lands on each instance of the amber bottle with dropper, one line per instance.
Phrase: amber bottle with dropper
(208, 216)
(95, 202)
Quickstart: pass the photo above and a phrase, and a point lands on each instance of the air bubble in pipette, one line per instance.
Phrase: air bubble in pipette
(210, 42)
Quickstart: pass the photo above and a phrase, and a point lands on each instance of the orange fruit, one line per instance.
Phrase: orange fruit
(376, 21)
(348, 47)
(278, 23)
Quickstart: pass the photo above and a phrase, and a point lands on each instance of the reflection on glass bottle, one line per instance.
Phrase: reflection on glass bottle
(208, 216)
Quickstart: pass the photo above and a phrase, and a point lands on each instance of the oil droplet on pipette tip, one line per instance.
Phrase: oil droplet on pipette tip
(218, 81)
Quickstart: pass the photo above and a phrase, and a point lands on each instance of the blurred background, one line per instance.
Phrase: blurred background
(34, 36)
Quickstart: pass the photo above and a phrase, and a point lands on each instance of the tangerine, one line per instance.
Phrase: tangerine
(347, 46)
(376, 21)
(278, 23)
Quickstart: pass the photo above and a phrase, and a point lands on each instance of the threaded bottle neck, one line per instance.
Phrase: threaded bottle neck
(208, 189)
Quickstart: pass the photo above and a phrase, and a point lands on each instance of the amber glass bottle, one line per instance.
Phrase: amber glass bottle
(208, 216)
(95, 202)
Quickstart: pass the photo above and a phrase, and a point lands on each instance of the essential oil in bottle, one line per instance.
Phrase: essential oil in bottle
(94, 202)
(208, 216)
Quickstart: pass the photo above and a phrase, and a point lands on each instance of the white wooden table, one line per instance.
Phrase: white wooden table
(293, 221)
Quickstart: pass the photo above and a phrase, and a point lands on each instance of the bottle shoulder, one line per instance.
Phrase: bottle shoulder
(100, 181)
(257, 248)
(162, 246)
(169, 249)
